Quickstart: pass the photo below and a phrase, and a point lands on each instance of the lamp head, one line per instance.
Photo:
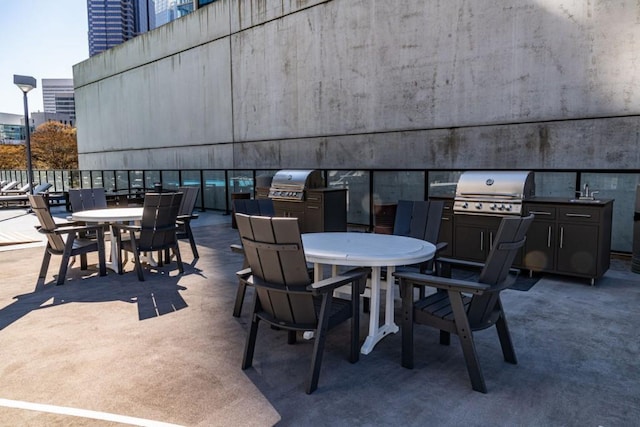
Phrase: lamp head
(25, 83)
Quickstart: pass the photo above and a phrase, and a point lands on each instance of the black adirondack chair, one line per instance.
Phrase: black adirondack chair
(420, 219)
(74, 245)
(186, 215)
(84, 199)
(156, 232)
(262, 207)
(462, 307)
(286, 297)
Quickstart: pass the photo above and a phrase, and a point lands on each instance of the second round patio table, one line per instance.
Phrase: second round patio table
(109, 216)
(368, 250)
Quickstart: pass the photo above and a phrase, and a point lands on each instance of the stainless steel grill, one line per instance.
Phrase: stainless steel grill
(291, 184)
(493, 192)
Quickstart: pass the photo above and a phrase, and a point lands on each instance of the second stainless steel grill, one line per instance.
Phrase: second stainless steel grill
(291, 184)
(493, 192)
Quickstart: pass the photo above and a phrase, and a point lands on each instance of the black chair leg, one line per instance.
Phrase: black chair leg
(237, 308)
(318, 345)
(250, 345)
(508, 351)
(406, 330)
(445, 338)
(466, 341)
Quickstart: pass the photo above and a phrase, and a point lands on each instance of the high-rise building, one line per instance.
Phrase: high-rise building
(58, 96)
(112, 22)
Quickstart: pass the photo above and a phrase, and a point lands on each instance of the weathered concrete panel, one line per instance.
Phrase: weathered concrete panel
(351, 66)
(203, 157)
(444, 84)
(182, 100)
(211, 22)
(597, 143)
(250, 13)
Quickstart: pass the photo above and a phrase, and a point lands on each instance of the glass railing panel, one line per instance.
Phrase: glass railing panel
(391, 186)
(622, 188)
(443, 183)
(214, 189)
(358, 199)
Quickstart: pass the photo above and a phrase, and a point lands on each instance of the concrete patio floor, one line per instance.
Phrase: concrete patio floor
(114, 351)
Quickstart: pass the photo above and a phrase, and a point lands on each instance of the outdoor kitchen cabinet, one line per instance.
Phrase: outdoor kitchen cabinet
(569, 238)
(323, 209)
(326, 210)
(473, 236)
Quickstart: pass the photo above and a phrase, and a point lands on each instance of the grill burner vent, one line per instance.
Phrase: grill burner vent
(493, 192)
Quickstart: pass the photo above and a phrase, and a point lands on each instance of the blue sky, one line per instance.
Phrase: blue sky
(42, 39)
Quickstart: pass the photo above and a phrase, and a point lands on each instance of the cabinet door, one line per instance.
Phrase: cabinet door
(314, 217)
(471, 242)
(539, 252)
(291, 209)
(577, 249)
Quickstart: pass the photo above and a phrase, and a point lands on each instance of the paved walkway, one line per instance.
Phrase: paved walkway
(113, 351)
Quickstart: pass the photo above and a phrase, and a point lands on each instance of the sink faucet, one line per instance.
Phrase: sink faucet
(585, 194)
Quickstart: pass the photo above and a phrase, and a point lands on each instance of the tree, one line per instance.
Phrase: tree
(12, 156)
(54, 146)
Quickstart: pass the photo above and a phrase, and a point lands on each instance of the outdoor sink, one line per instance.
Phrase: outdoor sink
(584, 201)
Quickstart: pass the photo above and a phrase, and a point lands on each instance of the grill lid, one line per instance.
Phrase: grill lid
(291, 184)
(493, 192)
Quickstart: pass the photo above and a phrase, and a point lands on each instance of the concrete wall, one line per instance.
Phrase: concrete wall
(439, 84)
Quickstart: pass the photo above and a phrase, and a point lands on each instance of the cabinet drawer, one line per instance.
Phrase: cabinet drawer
(541, 212)
(314, 198)
(580, 214)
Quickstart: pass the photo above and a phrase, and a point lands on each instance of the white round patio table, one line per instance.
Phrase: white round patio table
(110, 216)
(368, 250)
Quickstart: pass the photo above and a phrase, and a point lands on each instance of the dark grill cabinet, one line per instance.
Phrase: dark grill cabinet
(473, 236)
(568, 238)
(571, 238)
(322, 209)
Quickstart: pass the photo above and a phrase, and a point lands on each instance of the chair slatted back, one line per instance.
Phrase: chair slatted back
(262, 207)
(273, 248)
(189, 198)
(509, 239)
(47, 224)
(158, 224)
(85, 199)
(419, 219)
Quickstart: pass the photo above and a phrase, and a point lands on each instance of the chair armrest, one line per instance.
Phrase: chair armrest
(342, 279)
(244, 274)
(470, 264)
(440, 246)
(131, 227)
(443, 282)
(236, 248)
(76, 228)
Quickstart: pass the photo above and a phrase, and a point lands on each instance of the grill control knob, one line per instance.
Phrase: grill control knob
(493, 207)
(465, 205)
(478, 205)
(507, 208)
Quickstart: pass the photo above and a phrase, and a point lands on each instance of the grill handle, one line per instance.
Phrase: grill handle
(512, 195)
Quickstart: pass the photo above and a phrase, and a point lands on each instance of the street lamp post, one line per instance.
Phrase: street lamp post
(25, 84)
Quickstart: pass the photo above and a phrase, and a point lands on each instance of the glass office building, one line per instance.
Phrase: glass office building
(112, 22)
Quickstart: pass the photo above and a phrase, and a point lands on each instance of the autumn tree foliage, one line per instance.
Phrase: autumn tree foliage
(12, 157)
(54, 146)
